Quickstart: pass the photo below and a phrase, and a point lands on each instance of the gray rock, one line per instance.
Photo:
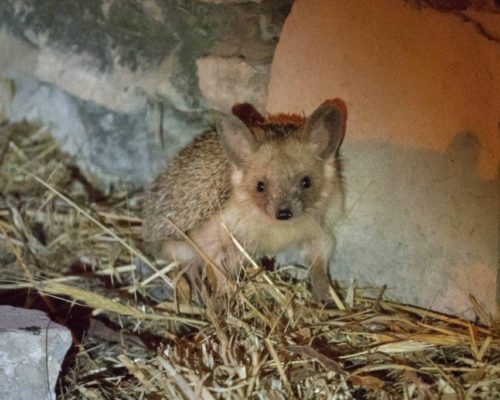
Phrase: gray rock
(32, 348)
(6, 97)
(117, 80)
(106, 144)
(423, 222)
(227, 81)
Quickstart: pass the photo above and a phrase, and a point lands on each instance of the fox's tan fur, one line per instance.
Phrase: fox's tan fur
(210, 188)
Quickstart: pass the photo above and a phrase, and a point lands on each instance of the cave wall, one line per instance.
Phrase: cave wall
(123, 84)
(422, 148)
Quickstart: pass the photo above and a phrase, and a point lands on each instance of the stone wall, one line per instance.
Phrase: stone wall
(422, 148)
(124, 83)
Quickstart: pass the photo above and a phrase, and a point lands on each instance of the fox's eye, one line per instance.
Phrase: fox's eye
(305, 182)
(260, 186)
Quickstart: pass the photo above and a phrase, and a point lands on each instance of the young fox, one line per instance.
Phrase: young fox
(273, 183)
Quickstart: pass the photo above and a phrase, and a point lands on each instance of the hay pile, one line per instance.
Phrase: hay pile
(76, 250)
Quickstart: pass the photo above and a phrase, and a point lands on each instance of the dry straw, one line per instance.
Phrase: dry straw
(265, 340)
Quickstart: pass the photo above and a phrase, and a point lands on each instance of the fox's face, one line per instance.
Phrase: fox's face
(284, 168)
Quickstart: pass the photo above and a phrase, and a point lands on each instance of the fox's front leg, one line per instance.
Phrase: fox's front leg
(317, 254)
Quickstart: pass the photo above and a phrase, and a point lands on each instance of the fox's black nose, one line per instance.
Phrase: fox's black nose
(284, 213)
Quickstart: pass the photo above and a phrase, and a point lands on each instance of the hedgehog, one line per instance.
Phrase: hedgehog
(271, 184)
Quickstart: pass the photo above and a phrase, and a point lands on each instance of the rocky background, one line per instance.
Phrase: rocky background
(421, 154)
(123, 84)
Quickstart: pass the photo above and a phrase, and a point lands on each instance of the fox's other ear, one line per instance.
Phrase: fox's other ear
(248, 114)
(326, 127)
(236, 139)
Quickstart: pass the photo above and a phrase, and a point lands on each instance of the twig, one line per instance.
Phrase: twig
(100, 225)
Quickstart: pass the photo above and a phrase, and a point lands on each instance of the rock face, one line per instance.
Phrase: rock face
(32, 348)
(421, 154)
(457, 5)
(117, 80)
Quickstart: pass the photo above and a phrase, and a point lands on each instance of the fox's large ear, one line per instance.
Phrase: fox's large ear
(236, 139)
(326, 126)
